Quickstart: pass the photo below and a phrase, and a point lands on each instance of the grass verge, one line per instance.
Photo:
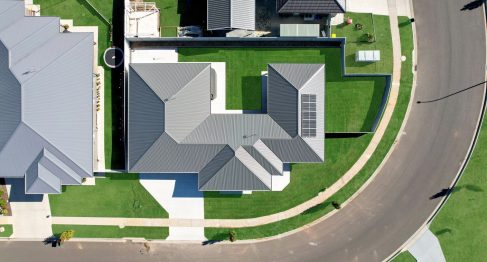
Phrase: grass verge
(348, 190)
(8, 231)
(117, 195)
(88, 231)
(461, 225)
(404, 257)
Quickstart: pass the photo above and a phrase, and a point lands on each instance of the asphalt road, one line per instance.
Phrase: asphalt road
(451, 52)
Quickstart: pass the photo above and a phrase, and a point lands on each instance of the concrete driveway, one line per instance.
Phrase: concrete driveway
(29, 212)
(178, 194)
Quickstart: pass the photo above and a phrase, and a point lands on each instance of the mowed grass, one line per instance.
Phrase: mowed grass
(461, 225)
(378, 25)
(352, 103)
(83, 15)
(307, 180)
(348, 190)
(8, 231)
(404, 257)
(85, 231)
(117, 195)
(170, 17)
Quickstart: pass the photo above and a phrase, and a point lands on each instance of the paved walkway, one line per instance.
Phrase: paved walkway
(29, 212)
(378, 7)
(427, 248)
(178, 194)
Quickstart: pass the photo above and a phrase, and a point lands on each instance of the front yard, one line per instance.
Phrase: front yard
(244, 205)
(117, 195)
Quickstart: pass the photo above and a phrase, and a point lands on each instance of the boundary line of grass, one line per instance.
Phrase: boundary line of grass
(92, 231)
(319, 211)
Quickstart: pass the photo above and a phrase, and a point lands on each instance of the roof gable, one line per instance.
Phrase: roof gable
(310, 6)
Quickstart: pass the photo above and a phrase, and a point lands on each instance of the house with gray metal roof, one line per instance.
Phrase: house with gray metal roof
(310, 6)
(46, 101)
(171, 128)
(231, 14)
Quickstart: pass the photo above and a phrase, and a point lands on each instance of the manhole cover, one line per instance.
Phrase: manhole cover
(113, 57)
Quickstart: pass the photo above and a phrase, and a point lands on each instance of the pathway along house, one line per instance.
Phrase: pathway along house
(46, 101)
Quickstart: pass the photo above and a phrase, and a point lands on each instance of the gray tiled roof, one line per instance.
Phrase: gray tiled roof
(231, 14)
(46, 101)
(224, 149)
(311, 6)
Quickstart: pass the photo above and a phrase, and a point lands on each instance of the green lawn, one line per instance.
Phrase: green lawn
(117, 195)
(306, 181)
(170, 16)
(374, 24)
(81, 231)
(83, 15)
(461, 225)
(8, 231)
(352, 187)
(351, 103)
(404, 257)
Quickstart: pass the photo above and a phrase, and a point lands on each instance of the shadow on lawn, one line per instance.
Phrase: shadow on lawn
(251, 92)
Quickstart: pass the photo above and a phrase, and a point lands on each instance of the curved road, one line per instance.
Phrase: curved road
(436, 139)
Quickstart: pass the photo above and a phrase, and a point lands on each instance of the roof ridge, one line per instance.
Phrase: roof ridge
(313, 75)
(200, 186)
(54, 60)
(189, 82)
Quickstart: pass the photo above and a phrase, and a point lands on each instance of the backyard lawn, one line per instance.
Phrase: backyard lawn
(352, 103)
(378, 25)
(245, 205)
(81, 231)
(117, 195)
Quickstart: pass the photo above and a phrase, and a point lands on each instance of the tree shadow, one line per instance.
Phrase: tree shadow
(316, 208)
(215, 238)
(443, 231)
(473, 5)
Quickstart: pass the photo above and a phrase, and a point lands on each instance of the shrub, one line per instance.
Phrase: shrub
(359, 26)
(336, 205)
(232, 236)
(66, 235)
(5, 212)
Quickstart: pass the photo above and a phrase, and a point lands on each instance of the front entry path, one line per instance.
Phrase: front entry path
(178, 194)
(31, 214)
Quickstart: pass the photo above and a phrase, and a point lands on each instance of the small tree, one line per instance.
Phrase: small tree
(232, 236)
(66, 235)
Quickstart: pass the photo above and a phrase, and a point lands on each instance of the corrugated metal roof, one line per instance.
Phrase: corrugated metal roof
(233, 176)
(300, 30)
(235, 130)
(210, 148)
(53, 71)
(294, 150)
(231, 14)
(310, 6)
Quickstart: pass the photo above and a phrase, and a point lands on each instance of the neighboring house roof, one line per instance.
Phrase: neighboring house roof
(46, 101)
(231, 14)
(310, 6)
(228, 151)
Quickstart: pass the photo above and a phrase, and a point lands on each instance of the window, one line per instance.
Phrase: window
(308, 115)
